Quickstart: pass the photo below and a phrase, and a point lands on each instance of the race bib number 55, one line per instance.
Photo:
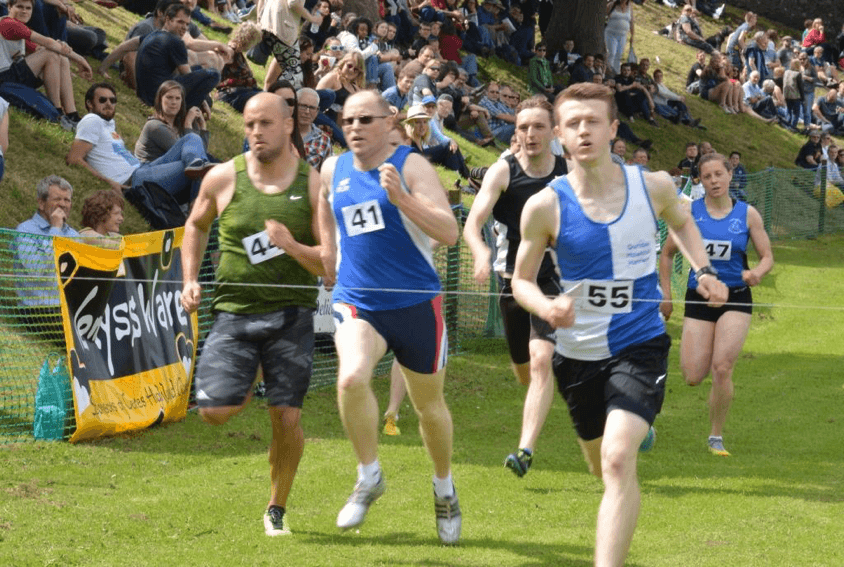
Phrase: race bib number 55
(362, 218)
(259, 248)
(605, 296)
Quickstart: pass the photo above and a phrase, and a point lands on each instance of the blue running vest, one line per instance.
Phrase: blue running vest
(615, 263)
(725, 241)
(378, 247)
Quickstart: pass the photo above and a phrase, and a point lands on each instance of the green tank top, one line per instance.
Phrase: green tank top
(246, 256)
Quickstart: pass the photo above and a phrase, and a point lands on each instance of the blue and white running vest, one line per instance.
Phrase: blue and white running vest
(378, 247)
(725, 241)
(615, 264)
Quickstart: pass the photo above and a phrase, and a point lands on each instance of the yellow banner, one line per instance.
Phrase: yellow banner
(131, 348)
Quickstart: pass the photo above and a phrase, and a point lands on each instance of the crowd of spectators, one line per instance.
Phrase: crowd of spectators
(423, 56)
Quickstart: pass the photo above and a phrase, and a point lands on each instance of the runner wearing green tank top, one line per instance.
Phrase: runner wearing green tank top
(266, 202)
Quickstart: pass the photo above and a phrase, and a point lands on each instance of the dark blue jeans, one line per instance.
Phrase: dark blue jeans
(198, 85)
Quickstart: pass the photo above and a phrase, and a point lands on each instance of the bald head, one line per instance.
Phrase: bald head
(268, 101)
(378, 102)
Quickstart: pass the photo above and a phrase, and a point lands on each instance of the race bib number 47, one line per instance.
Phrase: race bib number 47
(362, 218)
(259, 248)
(718, 249)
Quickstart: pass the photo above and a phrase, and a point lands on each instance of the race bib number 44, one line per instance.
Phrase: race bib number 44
(259, 248)
(605, 296)
(363, 218)
(718, 249)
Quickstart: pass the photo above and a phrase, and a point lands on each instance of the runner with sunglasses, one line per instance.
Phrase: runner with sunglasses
(379, 208)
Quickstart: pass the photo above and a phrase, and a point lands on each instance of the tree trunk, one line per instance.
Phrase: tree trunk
(580, 20)
(364, 8)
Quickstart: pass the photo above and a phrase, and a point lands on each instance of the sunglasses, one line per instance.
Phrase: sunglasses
(363, 120)
(104, 99)
(335, 47)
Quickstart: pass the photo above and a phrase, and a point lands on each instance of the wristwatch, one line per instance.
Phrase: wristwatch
(706, 270)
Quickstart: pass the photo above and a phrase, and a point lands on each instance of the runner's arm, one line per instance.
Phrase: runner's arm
(307, 256)
(197, 227)
(327, 228)
(494, 184)
(762, 244)
(666, 264)
(539, 224)
(426, 205)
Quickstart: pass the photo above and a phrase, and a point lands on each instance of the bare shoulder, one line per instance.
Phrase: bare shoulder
(326, 174)
(661, 189)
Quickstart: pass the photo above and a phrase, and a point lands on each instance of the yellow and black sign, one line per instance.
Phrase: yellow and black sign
(131, 347)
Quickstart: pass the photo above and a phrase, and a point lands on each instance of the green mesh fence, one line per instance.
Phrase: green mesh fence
(791, 203)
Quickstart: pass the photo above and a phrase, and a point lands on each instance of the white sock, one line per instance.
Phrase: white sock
(443, 487)
(368, 474)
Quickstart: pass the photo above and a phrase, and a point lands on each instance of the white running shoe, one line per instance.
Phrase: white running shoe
(274, 522)
(449, 518)
(354, 512)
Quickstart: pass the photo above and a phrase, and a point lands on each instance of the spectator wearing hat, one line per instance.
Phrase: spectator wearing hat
(438, 150)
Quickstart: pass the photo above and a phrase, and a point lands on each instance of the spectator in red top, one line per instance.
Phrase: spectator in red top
(49, 66)
(450, 44)
(817, 37)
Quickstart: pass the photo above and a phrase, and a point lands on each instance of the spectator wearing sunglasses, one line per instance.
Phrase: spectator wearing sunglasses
(502, 120)
(346, 79)
(98, 148)
(424, 84)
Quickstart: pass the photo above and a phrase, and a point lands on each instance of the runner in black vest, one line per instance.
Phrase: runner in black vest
(508, 184)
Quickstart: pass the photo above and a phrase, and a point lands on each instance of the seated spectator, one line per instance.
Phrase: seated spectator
(829, 113)
(162, 55)
(102, 215)
(415, 66)
(34, 257)
(424, 85)
(237, 84)
(49, 66)
(491, 20)
(833, 172)
(540, 79)
(450, 44)
(689, 32)
(756, 98)
(317, 143)
(809, 155)
(771, 89)
(468, 116)
(671, 105)
(4, 134)
(827, 73)
(399, 95)
(347, 78)
(688, 165)
(618, 149)
(384, 35)
(99, 149)
(171, 121)
(817, 37)
(397, 13)
(502, 119)
(519, 48)
(475, 38)
(583, 69)
(326, 28)
(695, 72)
(631, 96)
(641, 158)
(442, 151)
(357, 39)
(420, 40)
(739, 180)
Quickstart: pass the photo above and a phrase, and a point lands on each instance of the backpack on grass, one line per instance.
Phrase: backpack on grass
(29, 100)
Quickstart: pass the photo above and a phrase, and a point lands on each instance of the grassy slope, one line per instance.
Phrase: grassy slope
(38, 148)
(189, 494)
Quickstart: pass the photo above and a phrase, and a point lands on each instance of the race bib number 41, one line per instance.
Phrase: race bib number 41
(362, 218)
(605, 296)
(259, 248)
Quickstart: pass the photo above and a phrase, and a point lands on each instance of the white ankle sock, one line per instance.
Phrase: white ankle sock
(443, 487)
(368, 474)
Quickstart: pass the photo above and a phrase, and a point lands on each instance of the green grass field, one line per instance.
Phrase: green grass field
(189, 494)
